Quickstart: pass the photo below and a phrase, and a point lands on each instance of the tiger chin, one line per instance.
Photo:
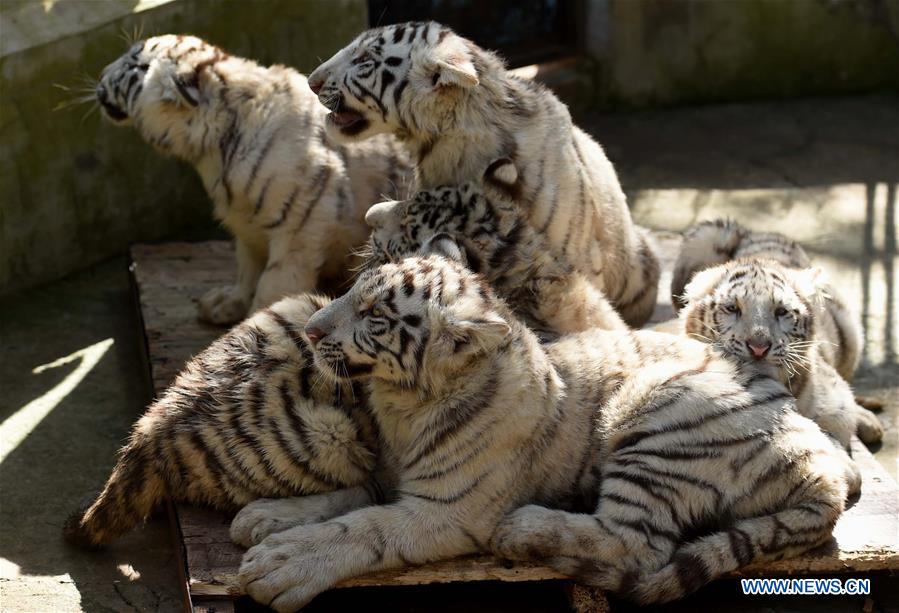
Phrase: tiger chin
(456, 109)
(603, 454)
(481, 225)
(248, 417)
(765, 314)
(294, 200)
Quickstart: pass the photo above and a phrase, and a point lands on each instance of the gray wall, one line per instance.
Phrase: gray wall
(75, 189)
(662, 52)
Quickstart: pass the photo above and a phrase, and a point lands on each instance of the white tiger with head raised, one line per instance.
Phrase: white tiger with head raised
(294, 200)
(456, 108)
(652, 436)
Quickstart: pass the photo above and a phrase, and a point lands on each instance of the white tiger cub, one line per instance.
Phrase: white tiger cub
(481, 226)
(766, 303)
(759, 311)
(456, 108)
(294, 200)
(687, 467)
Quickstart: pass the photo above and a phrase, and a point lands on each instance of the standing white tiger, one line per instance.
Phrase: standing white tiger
(457, 108)
(294, 200)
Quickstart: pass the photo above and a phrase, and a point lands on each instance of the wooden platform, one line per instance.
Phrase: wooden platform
(170, 277)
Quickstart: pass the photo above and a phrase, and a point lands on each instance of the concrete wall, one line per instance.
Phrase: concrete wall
(75, 189)
(659, 52)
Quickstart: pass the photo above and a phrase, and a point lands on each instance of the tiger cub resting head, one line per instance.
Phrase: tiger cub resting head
(479, 418)
(247, 418)
(481, 226)
(765, 314)
(294, 200)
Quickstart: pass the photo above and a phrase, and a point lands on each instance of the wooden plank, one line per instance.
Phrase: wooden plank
(170, 277)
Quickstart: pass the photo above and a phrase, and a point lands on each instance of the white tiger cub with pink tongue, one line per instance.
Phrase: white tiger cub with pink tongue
(684, 467)
(456, 108)
(294, 200)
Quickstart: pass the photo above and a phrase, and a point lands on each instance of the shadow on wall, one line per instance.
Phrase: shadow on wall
(74, 189)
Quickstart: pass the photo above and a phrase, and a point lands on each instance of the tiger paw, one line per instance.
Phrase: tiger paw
(266, 516)
(222, 306)
(520, 534)
(868, 427)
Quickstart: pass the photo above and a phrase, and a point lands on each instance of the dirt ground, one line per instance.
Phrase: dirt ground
(73, 380)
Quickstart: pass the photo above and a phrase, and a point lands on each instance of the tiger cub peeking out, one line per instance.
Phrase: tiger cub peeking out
(768, 307)
(456, 108)
(294, 200)
(479, 418)
(481, 226)
(249, 417)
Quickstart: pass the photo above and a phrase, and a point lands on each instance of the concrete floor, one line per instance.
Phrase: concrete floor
(72, 378)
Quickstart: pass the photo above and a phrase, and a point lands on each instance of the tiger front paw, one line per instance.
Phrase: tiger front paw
(222, 306)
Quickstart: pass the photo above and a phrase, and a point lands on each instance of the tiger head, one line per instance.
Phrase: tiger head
(398, 78)
(159, 86)
(756, 311)
(411, 324)
(471, 223)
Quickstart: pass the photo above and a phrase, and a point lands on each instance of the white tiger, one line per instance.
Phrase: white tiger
(684, 467)
(294, 200)
(765, 304)
(456, 108)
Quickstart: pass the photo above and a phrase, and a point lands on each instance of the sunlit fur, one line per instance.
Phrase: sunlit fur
(248, 417)
(294, 200)
(814, 338)
(456, 108)
(483, 228)
(660, 463)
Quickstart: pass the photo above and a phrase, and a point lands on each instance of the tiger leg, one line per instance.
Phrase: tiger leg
(579, 544)
(228, 305)
(293, 267)
(266, 516)
(132, 492)
(784, 534)
(638, 300)
(573, 304)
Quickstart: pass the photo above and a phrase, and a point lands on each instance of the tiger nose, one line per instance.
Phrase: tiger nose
(759, 349)
(314, 334)
(316, 82)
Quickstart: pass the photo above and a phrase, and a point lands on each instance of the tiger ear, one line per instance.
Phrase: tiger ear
(453, 65)
(444, 245)
(184, 88)
(808, 282)
(379, 214)
(702, 284)
(475, 335)
(502, 174)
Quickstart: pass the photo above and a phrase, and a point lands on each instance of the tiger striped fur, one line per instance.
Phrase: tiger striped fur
(484, 229)
(683, 466)
(759, 311)
(294, 200)
(248, 417)
(456, 108)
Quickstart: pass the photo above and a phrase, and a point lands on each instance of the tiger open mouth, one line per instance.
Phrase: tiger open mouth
(348, 120)
(111, 110)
